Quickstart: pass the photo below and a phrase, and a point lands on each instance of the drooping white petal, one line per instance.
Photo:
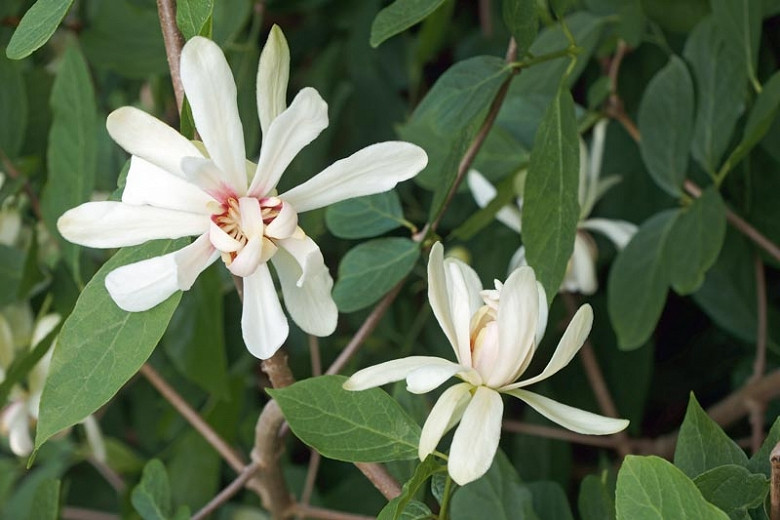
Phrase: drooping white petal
(273, 73)
(43, 327)
(263, 322)
(211, 91)
(251, 256)
(424, 379)
(476, 439)
(289, 133)
(7, 347)
(569, 417)
(145, 136)
(567, 348)
(390, 371)
(581, 274)
(447, 411)
(95, 438)
(484, 192)
(15, 420)
(149, 184)
(619, 232)
(306, 285)
(285, 223)
(541, 323)
(193, 260)
(374, 169)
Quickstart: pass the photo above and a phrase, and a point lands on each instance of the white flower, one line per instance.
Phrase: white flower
(581, 271)
(178, 188)
(494, 334)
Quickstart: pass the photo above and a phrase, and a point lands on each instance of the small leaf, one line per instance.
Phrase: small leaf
(151, 498)
(397, 508)
(666, 124)
(650, 488)
(759, 462)
(371, 269)
(192, 16)
(596, 499)
(733, 489)
(702, 445)
(739, 22)
(550, 206)
(36, 27)
(365, 217)
(414, 510)
(13, 106)
(521, 18)
(399, 16)
(365, 426)
(46, 503)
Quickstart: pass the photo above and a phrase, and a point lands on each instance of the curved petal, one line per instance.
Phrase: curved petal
(254, 254)
(193, 260)
(582, 192)
(438, 296)
(211, 92)
(569, 417)
(209, 177)
(476, 439)
(619, 232)
(444, 415)
(7, 347)
(424, 379)
(484, 192)
(389, 371)
(541, 323)
(145, 136)
(581, 273)
(306, 285)
(149, 184)
(43, 327)
(289, 133)
(263, 323)
(374, 169)
(221, 240)
(15, 420)
(567, 348)
(273, 73)
(116, 224)
(285, 223)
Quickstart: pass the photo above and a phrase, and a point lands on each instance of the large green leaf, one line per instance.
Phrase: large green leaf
(399, 16)
(371, 269)
(365, 426)
(192, 16)
(650, 488)
(100, 346)
(596, 500)
(549, 498)
(151, 498)
(550, 206)
(36, 27)
(521, 18)
(46, 505)
(365, 217)
(13, 106)
(739, 21)
(734, 489)
(396, 508)
(666, 123)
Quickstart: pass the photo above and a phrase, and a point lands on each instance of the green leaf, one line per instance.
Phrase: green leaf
(638, 282)
(721, 84)
(399, 16)
(695, 241)
(702, 444)
(371, 269)
(759, 462)
(365, 426)
(72, 151)
(46, 504)
(550, 206)
(365, 217)
(666, 124)
(36, 27)
(521, 18)
(397, 507)
(550, 499)
(596, 499)
(100, 346)
(13, 106)
(414, 510)
(733, 489)
(650, 488)
(192, 16)
(151, 498)
(739, 21)
(11, 267)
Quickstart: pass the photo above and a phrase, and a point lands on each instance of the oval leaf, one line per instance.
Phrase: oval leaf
(36, 27)
(399, 16)
(365, 217)
(521, 18)
(733, 488)
(739, 21)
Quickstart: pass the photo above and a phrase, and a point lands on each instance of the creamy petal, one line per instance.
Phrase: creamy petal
(426, 378)
(619, 232)
(273, 73)
(476, 438)
(221, 240)
(285, 223)
(389, 371)
(251, 217)
(569, 417)
(211, 92)
(582, 192)
(263, 323)
(463, 289)
(95, 438)
(517, 260)
(193, 260)
(438, 296)
(484, 192)
(444, 415)
(150, 184)
(374, 169)
(581, 274)
(15, 420)
(7, 347)
(541, 323)
(248, 259)
(204, 173)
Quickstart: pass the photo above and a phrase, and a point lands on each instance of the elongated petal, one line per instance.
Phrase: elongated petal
(116, 224)
(619, 232)
(484, 192)
(251, 217)
(204, 173)
(438, 296)
(95, 438)
(15, 420)
(306, 285)
(374, 169)
(149, 184)
(193, 260)
(476, 438)
(145, 136)
(569, 417)
(541, 323)
(581, 274)
(567, 348)
(221, 240)
(263, 323)
(289, 133)
(390, 371)
(582, 192)
(424, 379)
(444, 415)
(517, 260)
(211, 91)
(273, 73)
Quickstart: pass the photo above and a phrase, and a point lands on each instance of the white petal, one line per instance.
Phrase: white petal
(211, 91)
(16, 421)
(204, 173)
(249, 258)
(251, 217)
(289, 133)
(149, 184)
(145, 136)
(7, 347)
(273, 72)
(43, 327)
(463, 287)
(476, 438)
(263, 323)
(567, 348)
(285, 223)
(221, 240)
(193, 260)
(95, 438)
(518, 260)
(306, 285)
(581, 274)
(582, 193)
(484, 192)
(619, 232)
(389, 371)
(374, 169)
(569, 417)
(438, 296)
(541, 323)
(424, 379)
(444, 415)
(116, 224)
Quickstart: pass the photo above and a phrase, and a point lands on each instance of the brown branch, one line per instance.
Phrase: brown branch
(174, 42)
(306, 511)
(314, 353)
(227, 493)
(311, 478)
(758, 408)
(380, 478)
(278, 370)
(550, 432)
(774, 493)
(79, 513)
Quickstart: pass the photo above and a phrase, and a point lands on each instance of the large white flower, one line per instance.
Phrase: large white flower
(494, 334)
(178, 188)
(581, 271)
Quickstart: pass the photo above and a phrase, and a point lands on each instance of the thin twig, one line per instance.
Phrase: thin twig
(550, 432)
(311, 478)
(227, 493)
(380, 478)
(774, 459)
(79, 513)
(112, 477)
(174, 42)
(306, 511)
(759, 366)
(314, 353)
(486, 18)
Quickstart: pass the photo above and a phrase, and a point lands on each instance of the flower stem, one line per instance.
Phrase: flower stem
(445, 499)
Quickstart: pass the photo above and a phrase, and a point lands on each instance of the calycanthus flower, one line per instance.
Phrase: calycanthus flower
(178, 188)
(494, 334)
(581, 271)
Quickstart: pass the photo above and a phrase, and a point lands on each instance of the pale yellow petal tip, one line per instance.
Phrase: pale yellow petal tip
(350, 385)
